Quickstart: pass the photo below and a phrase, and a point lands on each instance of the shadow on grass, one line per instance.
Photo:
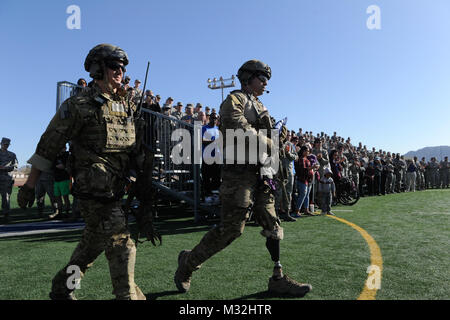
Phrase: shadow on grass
(266, 295)
(67, 236)
(155, 296)
(28, 215)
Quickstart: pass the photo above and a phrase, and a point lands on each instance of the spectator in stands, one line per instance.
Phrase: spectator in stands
(168, 103)
(131, 94)
(211, 163)
(197, 109)
(167, 110)
(137, 91)
(207, 111)
(178, 112)
(189, 114)
(61, 185)
(126, 83)
(201, 117)
(151, 102)
(81, 85)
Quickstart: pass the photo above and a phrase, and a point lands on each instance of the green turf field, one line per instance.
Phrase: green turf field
(411, 229)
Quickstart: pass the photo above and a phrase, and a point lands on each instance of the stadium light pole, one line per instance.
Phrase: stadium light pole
(221, 83)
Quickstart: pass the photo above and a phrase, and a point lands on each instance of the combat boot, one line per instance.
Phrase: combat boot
(287, 217)
(62, 296)
(288, 286)
(183, 274)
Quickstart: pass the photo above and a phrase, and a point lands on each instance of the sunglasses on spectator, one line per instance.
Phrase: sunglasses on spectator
(114, 65)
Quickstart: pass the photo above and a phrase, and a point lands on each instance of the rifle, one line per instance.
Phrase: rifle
(142, 188)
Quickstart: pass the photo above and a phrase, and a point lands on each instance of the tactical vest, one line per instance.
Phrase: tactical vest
(109, 125)
(254, 111)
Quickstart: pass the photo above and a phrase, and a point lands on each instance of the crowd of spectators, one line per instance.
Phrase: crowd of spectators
(310, 157)
(373, 172)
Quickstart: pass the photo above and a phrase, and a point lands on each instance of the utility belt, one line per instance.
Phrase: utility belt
(103, 200)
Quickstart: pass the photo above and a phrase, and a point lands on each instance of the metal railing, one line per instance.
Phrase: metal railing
(65, 90)
(178, 181)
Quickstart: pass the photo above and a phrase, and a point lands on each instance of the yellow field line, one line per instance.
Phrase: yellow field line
(375, 259)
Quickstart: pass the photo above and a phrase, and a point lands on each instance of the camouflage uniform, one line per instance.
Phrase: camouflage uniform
(399, 165)
(101, 127)
(444, 171)
(390, 178)
(8, 160)
(286, 157)
(245, 187)
(433, 168)
(240, 188)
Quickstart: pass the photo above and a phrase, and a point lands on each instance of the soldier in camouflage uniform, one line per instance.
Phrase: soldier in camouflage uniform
(444, 170)
(101, 125)
(178, 113)
(8, 163)
(390, 177)
(242, 187)
(288, 154)
(433, 167)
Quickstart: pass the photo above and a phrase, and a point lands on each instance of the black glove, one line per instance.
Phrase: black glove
(146, 229)
(25, 196)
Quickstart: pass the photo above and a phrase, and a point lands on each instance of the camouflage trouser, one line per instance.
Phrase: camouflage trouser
(398, 180)
(434, 178)
(280, 197)
(106, 230)
(239, 190)
(44, 187)
(420, 180)
(444, 176)
(390, 183)
(5, 193)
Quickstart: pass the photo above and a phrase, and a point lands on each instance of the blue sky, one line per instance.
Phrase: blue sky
(388, 88)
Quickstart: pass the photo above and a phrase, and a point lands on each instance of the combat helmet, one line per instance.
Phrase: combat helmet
(251, 68)
(101, 54)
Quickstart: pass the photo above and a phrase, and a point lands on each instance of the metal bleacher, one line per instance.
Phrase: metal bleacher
(180, 182)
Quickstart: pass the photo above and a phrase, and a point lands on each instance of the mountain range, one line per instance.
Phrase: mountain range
(439, 152)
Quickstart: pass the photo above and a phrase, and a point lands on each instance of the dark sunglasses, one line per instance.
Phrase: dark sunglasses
(114, 65)
(263, 78)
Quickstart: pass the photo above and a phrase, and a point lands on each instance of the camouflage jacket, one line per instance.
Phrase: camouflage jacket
(244, 111)
(102, 130)
(8, 160)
